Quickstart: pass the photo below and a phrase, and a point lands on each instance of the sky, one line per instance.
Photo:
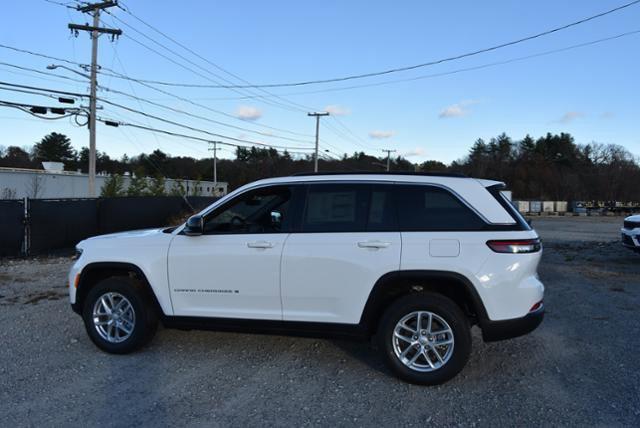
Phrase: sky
(430, 113)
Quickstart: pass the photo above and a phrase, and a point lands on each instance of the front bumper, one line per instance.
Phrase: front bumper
(631, 238)
(506, 329)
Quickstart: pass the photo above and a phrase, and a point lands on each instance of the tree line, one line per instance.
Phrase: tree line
(552, 167)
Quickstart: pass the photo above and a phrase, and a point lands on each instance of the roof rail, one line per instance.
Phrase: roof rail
(426, 174)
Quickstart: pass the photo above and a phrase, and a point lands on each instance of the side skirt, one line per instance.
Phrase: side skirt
(280, 328)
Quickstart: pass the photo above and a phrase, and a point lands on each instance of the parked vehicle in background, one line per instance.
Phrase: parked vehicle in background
(412, 259)
(631, 232)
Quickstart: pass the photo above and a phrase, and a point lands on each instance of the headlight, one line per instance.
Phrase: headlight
(78, 253)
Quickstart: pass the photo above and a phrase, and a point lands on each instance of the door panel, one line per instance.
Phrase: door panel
(234, 276)
(347, 240)
(327, 277)
(233, 269)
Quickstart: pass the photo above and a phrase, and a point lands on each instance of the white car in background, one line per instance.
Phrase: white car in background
(631, 232)
(412, 259)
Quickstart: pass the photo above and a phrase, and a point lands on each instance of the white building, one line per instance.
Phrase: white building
(53, 182)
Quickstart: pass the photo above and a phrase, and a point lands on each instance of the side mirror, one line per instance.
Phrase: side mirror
(194, 226)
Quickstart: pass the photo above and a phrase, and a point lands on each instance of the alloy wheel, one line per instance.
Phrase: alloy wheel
(114, 317)
(423, 341)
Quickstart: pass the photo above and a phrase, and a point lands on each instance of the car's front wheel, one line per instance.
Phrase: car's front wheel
(118, 315)
(425, 338)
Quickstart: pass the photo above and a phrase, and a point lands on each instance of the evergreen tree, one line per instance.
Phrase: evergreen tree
(137, 184)
(113, 187)
(54, 148)
(178, 188)
(197, 185)
(156, 187)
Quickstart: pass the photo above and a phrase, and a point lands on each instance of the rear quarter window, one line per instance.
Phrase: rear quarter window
(429, 208)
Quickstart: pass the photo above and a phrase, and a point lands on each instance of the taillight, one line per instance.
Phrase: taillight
(515, 246)
(536, 307)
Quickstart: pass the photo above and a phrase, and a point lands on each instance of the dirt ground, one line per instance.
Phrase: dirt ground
(581, 367)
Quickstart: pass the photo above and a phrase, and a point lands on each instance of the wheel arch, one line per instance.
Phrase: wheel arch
(95, 272)
(393, 285)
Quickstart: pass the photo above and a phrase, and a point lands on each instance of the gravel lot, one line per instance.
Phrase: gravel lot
(581, 367)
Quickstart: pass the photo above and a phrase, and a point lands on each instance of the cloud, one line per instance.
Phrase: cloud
(570, 116)
(457, 110)
(337, 110)
(381, 135)
(418, 151)
(608, 115)
(248, 113)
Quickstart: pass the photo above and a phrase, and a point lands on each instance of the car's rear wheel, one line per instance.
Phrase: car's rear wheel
(425, 338)
(119, 316)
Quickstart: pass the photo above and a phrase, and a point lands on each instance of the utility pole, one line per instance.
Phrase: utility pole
(388, 158)
(95, 30)
(215, 149)
(317, 116)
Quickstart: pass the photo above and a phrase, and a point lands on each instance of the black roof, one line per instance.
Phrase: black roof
(426, 174)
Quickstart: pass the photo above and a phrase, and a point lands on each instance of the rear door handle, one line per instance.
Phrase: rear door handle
(260, 244)
(373, 244)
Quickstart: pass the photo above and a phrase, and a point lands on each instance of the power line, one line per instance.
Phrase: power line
(24, 91)
(176, 134)
(59, 3)
(176, 110)
(141, 82)
(273, 103)
(41, 55)
(425, 64)
(205, 107)
(213, 134)
(53, 91)
(240, 140)
(33, 70)
(297, 106)
(38, 110)
(451, 72)
(191, 51)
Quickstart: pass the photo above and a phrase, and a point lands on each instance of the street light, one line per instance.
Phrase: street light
(54, 66)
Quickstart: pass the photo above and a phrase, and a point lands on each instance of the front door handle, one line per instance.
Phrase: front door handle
(260, 244)
(373, 244)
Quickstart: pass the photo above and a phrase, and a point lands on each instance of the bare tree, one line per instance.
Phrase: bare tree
(36, 186)
(8, 193)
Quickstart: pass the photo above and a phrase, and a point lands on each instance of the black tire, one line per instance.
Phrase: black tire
(440, 306)
(146, 318)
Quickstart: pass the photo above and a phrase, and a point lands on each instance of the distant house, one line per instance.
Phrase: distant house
(53, 182)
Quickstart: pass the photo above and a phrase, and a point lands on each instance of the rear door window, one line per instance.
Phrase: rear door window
(336, 207)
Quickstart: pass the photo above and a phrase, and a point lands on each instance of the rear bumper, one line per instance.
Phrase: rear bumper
(506, 329)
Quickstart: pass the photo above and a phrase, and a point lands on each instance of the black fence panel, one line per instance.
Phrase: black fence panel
(118, 214)
(11, 227)
(61, 223)
(201, 202)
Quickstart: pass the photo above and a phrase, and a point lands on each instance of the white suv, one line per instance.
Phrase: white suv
(413, 260)
(631, 232)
